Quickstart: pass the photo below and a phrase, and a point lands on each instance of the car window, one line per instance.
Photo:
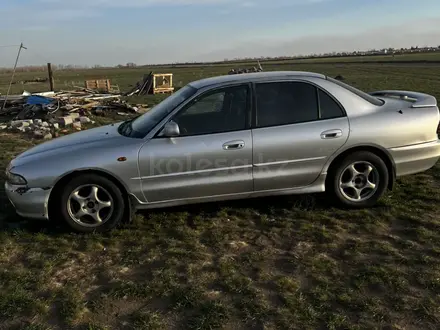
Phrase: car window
(222, 110)
(285, 103)
(329, 108)
(367, 97)
(210, 103)
(144, 123)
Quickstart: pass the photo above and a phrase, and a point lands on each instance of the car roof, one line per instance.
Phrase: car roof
(253, 76)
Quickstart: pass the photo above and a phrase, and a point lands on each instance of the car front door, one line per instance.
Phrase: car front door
(211, 156)
(297, 127)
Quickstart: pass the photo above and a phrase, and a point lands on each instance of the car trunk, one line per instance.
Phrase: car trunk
(395, 99)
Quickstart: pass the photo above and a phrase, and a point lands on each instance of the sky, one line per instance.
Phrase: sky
(111, 32)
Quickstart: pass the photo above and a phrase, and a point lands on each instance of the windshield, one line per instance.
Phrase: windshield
(141, 125)
(365, 96)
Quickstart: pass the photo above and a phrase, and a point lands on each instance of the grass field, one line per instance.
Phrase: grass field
(378, 71)
(270, 263)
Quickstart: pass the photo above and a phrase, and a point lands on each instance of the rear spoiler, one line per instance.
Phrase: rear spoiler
(420, 100)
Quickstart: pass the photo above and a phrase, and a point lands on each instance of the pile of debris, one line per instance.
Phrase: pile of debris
(43, 114)
(258, 68)
(40, 129)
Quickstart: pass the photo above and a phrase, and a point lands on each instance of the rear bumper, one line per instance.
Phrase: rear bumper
(415, 158)
(30, 203)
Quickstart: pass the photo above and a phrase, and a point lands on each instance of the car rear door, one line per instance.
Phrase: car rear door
(212, 156)
(297, 126)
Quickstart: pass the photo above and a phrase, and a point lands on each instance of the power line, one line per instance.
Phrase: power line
(6, 46)
(37, 54)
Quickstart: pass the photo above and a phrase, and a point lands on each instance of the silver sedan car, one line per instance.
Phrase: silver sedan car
(231, 137)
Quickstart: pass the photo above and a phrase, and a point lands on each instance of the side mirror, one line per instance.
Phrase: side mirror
(171, 129)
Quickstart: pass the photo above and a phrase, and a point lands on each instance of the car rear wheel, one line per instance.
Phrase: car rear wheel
(359, 180)
(92, 203)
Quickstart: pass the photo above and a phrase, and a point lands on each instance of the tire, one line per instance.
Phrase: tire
(109, 207)
(344, 184)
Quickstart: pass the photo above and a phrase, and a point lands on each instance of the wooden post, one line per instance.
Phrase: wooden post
(49, 70)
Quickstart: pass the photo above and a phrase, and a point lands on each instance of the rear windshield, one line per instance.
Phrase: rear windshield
(365, 96)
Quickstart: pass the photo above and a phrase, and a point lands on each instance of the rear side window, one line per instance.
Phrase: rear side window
(367, 97)
(328, 107)
(284, 103)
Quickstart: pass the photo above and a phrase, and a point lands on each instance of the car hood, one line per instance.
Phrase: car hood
(80, 138)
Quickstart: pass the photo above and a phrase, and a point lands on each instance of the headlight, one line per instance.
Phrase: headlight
(15, 179)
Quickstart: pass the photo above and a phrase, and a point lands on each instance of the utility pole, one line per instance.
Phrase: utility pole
(13, 74)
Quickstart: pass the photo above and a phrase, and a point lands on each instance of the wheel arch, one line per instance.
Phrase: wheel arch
(378, 151)
(55, 192)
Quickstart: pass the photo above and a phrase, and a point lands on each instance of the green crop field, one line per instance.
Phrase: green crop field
(291, 262)
(378, 71)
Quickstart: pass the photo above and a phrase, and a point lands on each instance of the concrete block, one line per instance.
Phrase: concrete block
(21, 123)
(38, 134)
(84, 120)
(77, 124)
(66, 121)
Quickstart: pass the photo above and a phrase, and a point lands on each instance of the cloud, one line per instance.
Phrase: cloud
(58, 13)
(412, 33)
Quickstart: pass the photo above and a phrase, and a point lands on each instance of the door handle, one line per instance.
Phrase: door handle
(331, 134)
(233, 145)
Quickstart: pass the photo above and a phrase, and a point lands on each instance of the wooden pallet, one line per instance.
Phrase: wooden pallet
(163, 90)
(162, 83)
(98, 84)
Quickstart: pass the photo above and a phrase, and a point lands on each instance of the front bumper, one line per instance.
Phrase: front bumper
(29, 202)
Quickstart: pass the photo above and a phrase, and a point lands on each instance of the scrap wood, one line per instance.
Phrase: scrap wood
(12, 98)
(90, 105)
(148, 81)
(132, 93)
(88, 90)
(122, 105)
(102, 97)
(142, 87)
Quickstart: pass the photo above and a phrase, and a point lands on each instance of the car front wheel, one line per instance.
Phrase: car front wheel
(359, 180)
(92, 203)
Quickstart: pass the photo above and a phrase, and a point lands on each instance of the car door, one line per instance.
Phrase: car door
(212, 156)
(297, 127)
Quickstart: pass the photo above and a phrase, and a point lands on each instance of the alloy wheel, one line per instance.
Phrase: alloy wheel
(359, 181)
(90, 205)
